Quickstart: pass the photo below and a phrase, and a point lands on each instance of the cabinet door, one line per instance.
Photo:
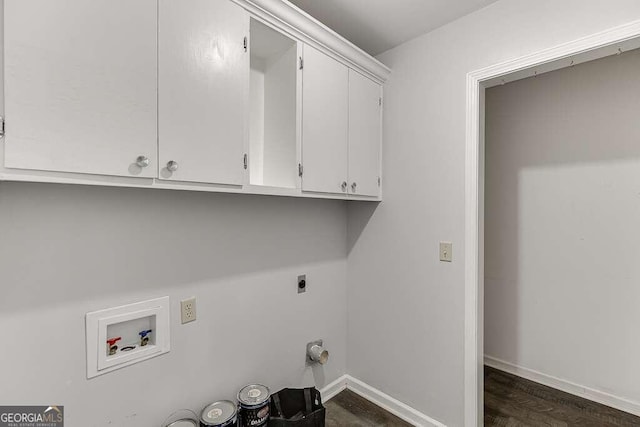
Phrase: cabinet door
(364, 135)
(80, 86)
(203, 81)
(325, 109)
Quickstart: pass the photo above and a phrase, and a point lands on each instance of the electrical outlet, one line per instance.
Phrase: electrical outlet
(188, 310)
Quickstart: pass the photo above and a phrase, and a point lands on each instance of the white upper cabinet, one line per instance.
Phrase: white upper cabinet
(80, 86)
(341, 128)
(365, 106)
(325, 131)
(203, 82)
(244, 96)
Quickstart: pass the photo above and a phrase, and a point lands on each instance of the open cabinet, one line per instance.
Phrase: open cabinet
(273, 108)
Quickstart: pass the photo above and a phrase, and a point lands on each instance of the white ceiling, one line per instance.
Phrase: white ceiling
(379, 25)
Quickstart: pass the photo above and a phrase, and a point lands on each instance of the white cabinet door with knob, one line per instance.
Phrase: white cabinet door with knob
(80, 86)
(365, 107)
(203, 80)
(325, 109)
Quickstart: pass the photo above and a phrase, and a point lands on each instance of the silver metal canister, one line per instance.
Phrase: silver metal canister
(182, 418)
(219, 414)
(254, 403)
(183, 423)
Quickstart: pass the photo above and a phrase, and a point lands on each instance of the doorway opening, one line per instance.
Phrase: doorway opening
(611, 42)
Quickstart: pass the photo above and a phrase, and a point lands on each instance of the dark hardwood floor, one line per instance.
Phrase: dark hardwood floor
(509, 401)
(349, 409)
(513, 401)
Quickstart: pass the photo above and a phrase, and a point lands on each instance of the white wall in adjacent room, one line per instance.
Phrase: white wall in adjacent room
(562, 235)
(406, 309)
(67, 250)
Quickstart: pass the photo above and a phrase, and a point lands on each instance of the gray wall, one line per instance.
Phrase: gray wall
(562, 236)
(67, 250)
(406, 309)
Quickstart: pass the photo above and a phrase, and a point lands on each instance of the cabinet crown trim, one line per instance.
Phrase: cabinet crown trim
(304, 27)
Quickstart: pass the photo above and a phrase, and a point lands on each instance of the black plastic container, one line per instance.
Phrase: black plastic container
(297, 407)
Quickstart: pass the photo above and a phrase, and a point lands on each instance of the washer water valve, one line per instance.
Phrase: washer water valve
(113, 348)
(144, 337)
(317, 353)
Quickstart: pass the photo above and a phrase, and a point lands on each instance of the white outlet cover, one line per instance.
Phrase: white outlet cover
(446, 251)
(188, 310)
(97, 323)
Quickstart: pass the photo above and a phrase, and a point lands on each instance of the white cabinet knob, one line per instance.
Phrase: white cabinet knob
(344, 186)
(142, 161)
(353, 187)
(172, 166)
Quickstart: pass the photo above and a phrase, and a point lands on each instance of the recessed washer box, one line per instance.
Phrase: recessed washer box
(126, 323)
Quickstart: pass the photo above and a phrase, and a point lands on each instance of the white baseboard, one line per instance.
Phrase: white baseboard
(566, 386)
(331, 389)
(383, 400)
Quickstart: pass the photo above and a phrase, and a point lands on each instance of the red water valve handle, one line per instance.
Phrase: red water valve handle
(112, 341)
